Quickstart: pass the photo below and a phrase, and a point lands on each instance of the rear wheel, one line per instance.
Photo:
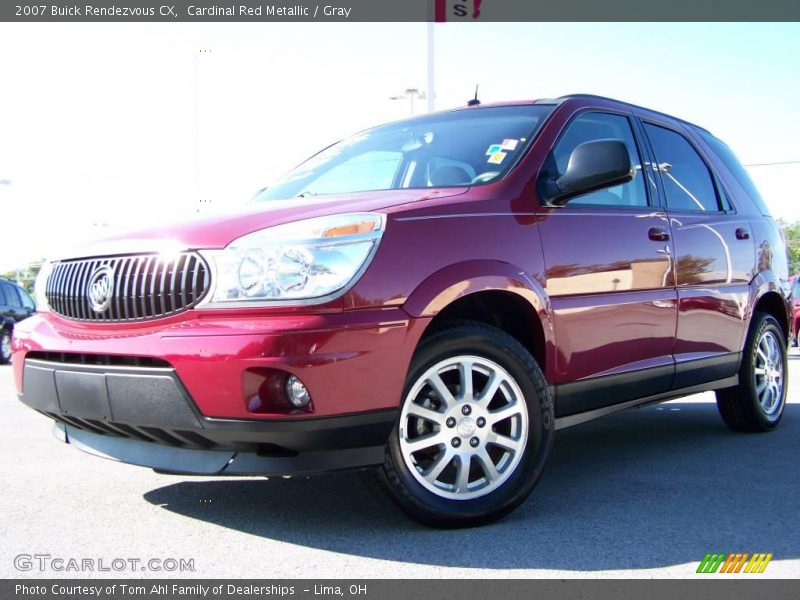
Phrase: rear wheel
(475, 428)
(757, 403)
(5, 346)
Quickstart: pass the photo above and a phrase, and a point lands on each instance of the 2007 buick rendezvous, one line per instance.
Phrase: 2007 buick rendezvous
(437, 296)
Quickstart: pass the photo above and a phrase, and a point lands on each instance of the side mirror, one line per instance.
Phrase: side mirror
(592, 166)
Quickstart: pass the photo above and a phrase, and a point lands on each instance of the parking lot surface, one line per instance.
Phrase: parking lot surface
(644, 493)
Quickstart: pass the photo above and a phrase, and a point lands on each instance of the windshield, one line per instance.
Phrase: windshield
(457, 148)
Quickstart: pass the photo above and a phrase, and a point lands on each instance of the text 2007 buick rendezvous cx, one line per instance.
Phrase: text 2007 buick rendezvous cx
(437, 296)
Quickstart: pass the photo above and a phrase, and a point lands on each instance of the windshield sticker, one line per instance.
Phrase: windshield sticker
(497, 157)
(509, 144)
(493, 149)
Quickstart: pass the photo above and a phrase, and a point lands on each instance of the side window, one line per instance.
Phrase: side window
(12, 296)
(27, 302)
(374, 170)
(592, 126)
(728, 158)
(3, 294)
(688, 184)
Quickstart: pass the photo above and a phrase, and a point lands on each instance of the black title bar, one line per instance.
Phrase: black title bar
(464, 11)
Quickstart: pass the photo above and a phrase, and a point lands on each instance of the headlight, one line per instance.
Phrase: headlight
(40, 285)
(304, 260)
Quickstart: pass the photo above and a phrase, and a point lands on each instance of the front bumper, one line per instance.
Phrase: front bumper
(143, 416)
(176, 395)
(351, 362)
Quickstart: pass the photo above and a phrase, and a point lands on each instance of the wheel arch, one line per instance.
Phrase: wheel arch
(773, 303)
(491, 292)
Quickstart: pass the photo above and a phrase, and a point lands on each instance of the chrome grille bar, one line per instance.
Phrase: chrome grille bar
(147, 286)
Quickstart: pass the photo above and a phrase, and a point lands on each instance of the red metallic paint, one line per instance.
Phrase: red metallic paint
(606, 295)
(350, 362)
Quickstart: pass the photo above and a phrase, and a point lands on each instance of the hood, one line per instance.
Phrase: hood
(217, 231)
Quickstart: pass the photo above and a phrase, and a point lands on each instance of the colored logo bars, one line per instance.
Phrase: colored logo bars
(737, 562)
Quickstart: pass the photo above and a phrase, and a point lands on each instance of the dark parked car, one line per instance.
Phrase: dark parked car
(436, 297)
(15, 305)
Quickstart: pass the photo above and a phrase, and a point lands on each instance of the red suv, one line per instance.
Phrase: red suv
(436, 296)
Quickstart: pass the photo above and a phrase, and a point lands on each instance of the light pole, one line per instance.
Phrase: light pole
(410, 94)
(198, 139)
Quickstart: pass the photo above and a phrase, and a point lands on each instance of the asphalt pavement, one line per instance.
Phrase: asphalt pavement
(644, 493)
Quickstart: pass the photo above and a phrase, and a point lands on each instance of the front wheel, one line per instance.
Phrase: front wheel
(475, 428)
(757, 403)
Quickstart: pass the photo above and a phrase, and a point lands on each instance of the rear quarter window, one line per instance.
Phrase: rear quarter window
(733, 165)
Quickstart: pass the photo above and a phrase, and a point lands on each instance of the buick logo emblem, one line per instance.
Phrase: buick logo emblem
(100, 289)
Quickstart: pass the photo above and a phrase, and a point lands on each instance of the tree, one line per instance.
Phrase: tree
(25, 276)
(792, 233)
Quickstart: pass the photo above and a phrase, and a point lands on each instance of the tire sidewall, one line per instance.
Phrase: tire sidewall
(767, 323)
(493, 346)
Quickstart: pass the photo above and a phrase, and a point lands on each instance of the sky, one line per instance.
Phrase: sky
(110, 126)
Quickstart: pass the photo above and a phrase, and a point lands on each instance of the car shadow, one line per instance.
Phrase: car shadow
(648, 488)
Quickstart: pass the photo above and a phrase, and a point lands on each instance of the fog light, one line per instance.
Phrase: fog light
(296, 392)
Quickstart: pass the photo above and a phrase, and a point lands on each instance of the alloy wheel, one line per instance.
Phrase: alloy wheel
(463, 427)
(768, 373)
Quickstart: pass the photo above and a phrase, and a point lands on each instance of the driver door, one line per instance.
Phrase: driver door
(609, 277)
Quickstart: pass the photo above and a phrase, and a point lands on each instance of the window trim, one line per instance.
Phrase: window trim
(716, 181)
(652, 202)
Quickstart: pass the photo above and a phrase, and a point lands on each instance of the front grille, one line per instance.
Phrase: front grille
(134, 288)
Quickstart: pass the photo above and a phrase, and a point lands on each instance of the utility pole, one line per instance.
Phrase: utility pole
(412, 94)
(200, 187)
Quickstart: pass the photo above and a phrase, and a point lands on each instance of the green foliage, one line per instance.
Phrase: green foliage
(25, 276)
(792, 233)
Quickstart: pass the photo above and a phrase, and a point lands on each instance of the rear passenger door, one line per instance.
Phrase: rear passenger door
(609, 279)
(715, 257)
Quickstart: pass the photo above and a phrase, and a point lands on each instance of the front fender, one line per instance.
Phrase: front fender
(456, 281)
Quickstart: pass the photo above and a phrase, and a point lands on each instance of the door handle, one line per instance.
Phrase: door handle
(658, 234)
(742, 233)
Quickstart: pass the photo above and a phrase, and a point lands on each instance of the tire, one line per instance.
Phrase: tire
(757, 403)
(5, 346)
(511, 428)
